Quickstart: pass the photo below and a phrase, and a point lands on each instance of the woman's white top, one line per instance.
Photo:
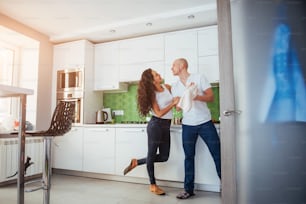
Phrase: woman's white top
(163, 99)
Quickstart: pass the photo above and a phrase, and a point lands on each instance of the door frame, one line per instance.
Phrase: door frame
(227, 103)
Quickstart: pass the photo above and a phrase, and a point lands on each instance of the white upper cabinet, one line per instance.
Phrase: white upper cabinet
(209, 66)
(138, 54)
(208, 41)
(106, 66)
(132, 72)
(181, 44)
(143, 49)
(70, 55)
(125, 60)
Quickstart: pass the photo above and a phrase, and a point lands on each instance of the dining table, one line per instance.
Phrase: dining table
(21, 93)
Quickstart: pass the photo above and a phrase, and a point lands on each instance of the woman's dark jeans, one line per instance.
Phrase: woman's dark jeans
(158, 131)
(207, 131)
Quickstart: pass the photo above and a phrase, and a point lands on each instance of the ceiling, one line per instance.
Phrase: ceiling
(108, 20)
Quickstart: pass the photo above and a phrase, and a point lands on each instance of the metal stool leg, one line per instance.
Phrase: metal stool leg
(47, 169)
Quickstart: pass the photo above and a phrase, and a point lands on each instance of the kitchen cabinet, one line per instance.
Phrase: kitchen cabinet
(142, 49)
(106, 67)
(205, 171)
(138, 54)
(69, 55)
(181, 44)
(209, 66)
(131, 143)
(208, 41)
(78, 55)
(68, 150)
(132, 72)
(173, 169)
(99, 150)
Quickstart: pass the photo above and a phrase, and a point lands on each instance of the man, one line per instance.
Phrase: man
(196, 121)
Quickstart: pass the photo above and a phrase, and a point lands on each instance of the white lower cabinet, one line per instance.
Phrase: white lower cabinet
(99, 150)
(131, 143)
(173, 169)
(205, 170)
(68, 150)
(109, 150)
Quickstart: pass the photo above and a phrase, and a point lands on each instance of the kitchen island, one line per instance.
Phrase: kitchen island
(103, 151)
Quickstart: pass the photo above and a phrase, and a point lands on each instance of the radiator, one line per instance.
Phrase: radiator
(9, 157)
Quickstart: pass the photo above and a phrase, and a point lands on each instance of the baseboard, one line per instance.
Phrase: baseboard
(129, 179)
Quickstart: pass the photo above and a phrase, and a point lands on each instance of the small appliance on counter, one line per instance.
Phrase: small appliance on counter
(103, 116)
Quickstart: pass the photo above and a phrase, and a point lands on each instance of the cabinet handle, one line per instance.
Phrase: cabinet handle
(100, 130)
(142, 130)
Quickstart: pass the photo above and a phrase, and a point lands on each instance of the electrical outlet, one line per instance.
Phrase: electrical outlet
(118, 112)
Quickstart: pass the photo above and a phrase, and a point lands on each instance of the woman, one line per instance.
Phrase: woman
(156, 97)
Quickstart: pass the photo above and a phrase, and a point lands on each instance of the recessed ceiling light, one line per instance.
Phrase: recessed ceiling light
(191, 17)
(149, 24)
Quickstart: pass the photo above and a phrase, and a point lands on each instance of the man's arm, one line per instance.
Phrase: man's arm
(208, 96)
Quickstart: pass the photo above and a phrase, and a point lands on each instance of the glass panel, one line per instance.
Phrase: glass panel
(6, 70)
(270, 72)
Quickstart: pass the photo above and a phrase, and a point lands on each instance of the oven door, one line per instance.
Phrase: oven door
(76, 96)
(78, 107)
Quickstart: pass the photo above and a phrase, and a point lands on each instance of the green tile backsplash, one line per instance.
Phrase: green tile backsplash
(128, 103)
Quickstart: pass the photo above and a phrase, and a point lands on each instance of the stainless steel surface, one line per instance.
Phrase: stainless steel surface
(231, 112)
(70, 80)
(70, 87)
(21, 149)
(47, 169)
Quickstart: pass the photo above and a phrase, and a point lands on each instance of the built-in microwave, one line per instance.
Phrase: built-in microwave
(70, 80)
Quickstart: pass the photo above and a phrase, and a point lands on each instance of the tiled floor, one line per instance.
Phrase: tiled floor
(80, 190)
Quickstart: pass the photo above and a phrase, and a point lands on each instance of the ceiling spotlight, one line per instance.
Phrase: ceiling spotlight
(149, 24)
(112, 31)
(190, 17)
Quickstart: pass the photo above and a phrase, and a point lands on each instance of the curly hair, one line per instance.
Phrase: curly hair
(145, 92)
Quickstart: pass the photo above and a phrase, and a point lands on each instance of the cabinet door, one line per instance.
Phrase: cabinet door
(68, 150)
(208, 41)
(205, 170)
(143, 49)
(209, 66)
(106, 66)
(180, 45)
(132, 72)
(99, 150)
(131, 143)
(173, 169)
(70, 55)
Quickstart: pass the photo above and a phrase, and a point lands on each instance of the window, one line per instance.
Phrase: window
(6, 76)
(19, 57)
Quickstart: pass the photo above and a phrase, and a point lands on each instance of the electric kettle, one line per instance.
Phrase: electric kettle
(101, 117)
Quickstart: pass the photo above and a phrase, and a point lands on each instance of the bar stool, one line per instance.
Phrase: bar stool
(61, 123)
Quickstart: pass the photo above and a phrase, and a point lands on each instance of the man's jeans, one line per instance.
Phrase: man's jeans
(207, 131)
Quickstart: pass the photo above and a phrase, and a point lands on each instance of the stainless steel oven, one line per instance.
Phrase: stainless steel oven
(70, 80)
(76, 96)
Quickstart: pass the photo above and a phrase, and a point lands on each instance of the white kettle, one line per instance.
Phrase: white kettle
(101, 117)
